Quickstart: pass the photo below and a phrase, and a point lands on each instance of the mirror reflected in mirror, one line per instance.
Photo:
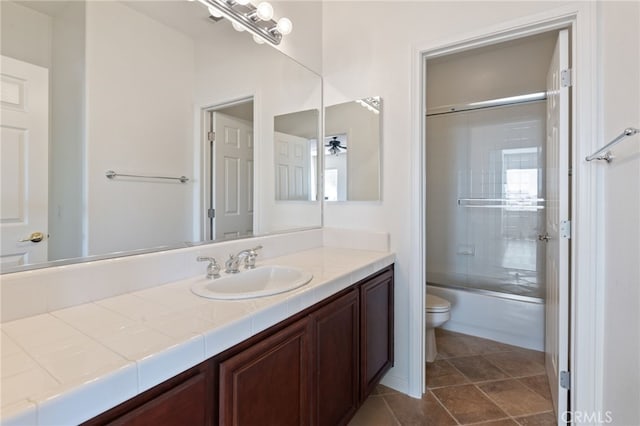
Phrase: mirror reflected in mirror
(296, 155)
(352, 150)
(132, 87)
(335, 167)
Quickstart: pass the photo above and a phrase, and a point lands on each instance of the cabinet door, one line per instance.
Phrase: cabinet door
(376, 325)
(336, 360)
(183, 400)
(268, 383)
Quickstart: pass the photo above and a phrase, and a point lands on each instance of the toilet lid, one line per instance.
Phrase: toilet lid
(437, 304)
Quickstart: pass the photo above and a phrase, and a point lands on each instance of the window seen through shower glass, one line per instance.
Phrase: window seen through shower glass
(485, 199)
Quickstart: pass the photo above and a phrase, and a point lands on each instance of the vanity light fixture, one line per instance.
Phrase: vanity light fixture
(372, 104)
(257, 20)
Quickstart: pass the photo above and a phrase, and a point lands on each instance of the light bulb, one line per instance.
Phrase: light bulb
(214, 12)
(264, 11)
(284, 26)
(242, 2)
(258, 40)
(237, 27)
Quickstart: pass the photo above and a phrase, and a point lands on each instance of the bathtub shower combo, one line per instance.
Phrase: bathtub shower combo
(485, 211)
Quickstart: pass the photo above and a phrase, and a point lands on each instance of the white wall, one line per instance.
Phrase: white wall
(620, 108)
(139, 121)
(359, 60)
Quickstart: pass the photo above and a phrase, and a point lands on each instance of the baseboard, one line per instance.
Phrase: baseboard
(509, 339)
(400, 384)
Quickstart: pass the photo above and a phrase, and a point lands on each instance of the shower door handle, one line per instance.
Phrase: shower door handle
(544, 237)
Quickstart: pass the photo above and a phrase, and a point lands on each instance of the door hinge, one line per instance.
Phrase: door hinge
(211, 136)
(565, 229)
(565, 379)
(211, 213)
(565, 78)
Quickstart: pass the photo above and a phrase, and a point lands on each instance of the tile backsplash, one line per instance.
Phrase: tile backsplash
(44, 290)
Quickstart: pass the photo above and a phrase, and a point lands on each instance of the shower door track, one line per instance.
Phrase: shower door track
(492, 103)
(498, 294)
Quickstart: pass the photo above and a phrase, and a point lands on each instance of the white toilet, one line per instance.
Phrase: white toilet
(438, 311)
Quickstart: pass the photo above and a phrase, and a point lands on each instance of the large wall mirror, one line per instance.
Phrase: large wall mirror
(136, 88)
(352, 150)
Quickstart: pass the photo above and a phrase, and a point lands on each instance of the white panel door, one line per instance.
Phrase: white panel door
(233, 176)
(292, 156)
(557, 245)
(24, 144)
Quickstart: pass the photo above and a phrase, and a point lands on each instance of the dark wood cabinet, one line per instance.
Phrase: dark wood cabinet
(181, 400)
(376, 327)
(269, 382)
(337, 341)
(315, 368)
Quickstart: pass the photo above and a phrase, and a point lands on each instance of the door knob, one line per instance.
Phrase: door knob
(35, 237)
(544, 237)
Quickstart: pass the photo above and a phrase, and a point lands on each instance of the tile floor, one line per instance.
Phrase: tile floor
(473, 381)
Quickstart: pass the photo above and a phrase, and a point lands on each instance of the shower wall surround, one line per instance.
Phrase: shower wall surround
(485, 199)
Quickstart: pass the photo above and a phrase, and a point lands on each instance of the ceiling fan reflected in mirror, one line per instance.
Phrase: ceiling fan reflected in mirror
(335, 146)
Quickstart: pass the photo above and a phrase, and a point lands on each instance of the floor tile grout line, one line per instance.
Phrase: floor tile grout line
(486, 421)
(494, 401)
(509, 376)
(482, 381)
(460, 371)
(537, 413)
(455, 419)
(497, 366)
(393, 414)
(532, 389)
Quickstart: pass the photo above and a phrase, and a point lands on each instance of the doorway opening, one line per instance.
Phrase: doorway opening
(228, 174)
(497, 194)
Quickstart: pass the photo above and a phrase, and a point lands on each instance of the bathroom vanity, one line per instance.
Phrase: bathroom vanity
(128, 340)
(315, 367)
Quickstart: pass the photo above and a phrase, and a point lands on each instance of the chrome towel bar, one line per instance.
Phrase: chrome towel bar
(110, 174)
(604, 153)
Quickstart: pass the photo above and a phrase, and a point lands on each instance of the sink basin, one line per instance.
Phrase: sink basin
(258, 282)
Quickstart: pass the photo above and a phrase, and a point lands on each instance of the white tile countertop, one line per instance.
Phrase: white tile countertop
(67, 366)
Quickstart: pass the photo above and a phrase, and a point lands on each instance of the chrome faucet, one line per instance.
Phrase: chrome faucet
(213, 269)
(232, 265)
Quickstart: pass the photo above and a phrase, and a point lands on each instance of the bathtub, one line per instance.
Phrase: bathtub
(514, 321)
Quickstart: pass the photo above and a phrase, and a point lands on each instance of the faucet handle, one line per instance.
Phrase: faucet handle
(250, 260)
(213, 269)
